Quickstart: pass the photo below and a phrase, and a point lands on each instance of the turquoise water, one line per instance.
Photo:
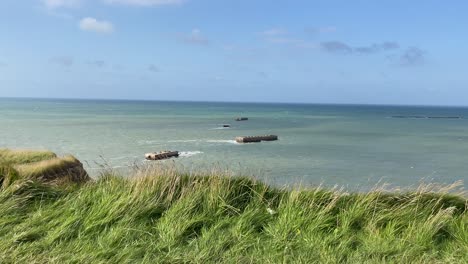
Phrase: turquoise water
(353, 146)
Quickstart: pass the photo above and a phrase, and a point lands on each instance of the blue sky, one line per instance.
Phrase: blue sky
(374, 52)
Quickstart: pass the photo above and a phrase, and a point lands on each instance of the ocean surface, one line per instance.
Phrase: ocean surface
(355, 146)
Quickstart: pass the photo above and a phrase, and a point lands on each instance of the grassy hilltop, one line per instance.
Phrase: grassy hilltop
(166, 216)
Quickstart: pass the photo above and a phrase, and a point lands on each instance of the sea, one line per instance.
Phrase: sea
(349, 146)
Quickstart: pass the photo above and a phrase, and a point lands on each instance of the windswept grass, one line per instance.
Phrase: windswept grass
(166, 216)
(39, 165)
(8, 156)
(48, 169)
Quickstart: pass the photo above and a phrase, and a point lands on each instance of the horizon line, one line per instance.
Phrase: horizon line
(230, 102)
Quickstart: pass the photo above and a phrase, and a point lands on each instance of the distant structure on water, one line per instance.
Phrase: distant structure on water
(161, 155)
(256, 139)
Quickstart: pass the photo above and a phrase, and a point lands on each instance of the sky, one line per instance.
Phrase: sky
(303, 51)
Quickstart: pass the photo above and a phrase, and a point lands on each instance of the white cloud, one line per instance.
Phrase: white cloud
(92, 24)
(60, 3)
(145, 2)
(195, 37)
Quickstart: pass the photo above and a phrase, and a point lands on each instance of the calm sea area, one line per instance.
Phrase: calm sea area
(346, 145)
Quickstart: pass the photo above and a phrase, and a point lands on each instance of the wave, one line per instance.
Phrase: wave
(149, 142)
(183, 141)
(123, 158)
(187, 154)
(230, 141)
(119, 167)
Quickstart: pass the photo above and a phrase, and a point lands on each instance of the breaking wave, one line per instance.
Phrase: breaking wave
(187, 154)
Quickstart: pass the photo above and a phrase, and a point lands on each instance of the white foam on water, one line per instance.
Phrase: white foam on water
(183, 141)
(148, 142)
(118, 167)
(229, 141)
(187, 154)
(122, 158)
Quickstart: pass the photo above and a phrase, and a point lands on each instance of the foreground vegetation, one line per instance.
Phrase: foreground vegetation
(166, 216)
(42, 166)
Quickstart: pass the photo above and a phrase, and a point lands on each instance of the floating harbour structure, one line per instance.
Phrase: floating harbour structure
(161, 155)
(256, 138)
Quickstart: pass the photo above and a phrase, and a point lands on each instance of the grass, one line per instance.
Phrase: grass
(167, 216)
(56, 168)
(39, 165)
(24, 156)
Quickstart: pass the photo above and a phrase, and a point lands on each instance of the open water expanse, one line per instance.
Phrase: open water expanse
(346, 145)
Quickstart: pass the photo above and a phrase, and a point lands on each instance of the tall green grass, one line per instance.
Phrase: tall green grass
(59, 170)
(24, 156)
(166, 216)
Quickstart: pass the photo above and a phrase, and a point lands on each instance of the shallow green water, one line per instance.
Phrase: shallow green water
(330, 144)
